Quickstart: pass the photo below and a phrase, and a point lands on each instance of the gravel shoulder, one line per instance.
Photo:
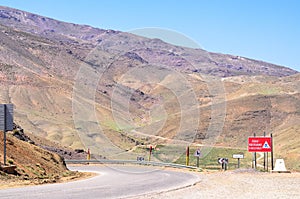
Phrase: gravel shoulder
(238, 184)
(243, 183)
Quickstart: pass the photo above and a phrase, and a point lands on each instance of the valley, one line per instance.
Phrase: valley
(117, 93)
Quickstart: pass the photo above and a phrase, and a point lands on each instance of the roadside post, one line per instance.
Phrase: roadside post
(88, 157)
(238, 157)
(6, 124)
(197, 154)
(223, 162)
(150, 152)
(187, 160)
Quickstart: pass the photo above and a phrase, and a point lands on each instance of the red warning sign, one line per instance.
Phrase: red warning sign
(259, 144)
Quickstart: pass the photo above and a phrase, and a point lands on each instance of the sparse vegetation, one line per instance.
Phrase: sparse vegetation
(10, 161)
(210, 161)
(41, 79)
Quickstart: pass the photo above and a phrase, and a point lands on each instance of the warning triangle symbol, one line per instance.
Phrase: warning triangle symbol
(266, 145)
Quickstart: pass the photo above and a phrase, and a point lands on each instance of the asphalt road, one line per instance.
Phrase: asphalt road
(112, 182)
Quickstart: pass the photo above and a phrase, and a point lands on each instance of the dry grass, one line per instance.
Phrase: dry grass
(38, 75)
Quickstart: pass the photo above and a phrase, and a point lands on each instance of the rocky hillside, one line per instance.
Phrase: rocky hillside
(32, 162)
(113, 91)
(32, 159)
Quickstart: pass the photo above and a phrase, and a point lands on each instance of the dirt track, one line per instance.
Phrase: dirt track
(239, 184)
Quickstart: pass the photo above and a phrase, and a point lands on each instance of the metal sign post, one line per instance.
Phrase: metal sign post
(4, 145)
(6, 124)
(272, 153)
(265, 155)
(197, 154)
(267, 161)
(238, 157)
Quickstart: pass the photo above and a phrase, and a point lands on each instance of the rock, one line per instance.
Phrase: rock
(280, 167)
(79, 150)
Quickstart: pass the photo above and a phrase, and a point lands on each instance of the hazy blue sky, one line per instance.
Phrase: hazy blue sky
(266, 30)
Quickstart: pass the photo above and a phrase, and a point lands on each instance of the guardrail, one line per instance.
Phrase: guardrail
(105, 161)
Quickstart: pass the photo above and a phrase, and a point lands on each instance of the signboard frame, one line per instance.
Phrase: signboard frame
(197, 153)
(6, 117)
(238, 156)
(259, 144)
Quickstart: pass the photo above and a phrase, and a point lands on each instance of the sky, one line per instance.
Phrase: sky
(267, 30)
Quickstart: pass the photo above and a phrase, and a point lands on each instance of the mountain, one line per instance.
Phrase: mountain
(116, 93)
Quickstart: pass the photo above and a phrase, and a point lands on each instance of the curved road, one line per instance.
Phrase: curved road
(112, 182)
